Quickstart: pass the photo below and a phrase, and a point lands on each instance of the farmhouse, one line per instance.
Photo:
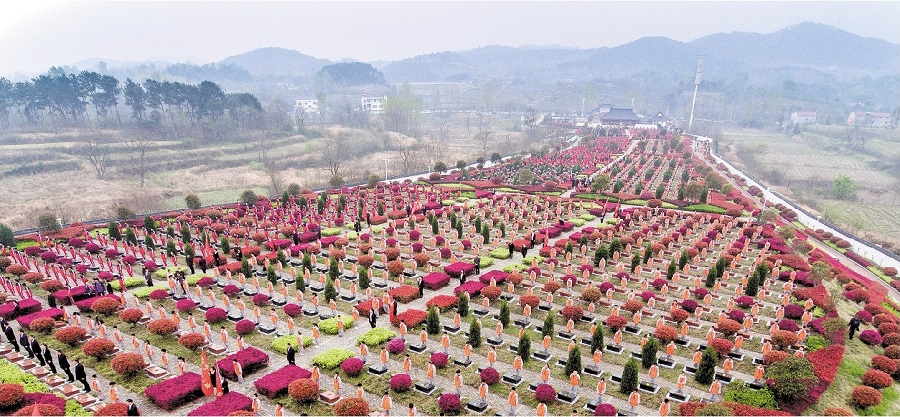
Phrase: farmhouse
(306, 106)
(373, 105)
(868, 119)
(803, 117)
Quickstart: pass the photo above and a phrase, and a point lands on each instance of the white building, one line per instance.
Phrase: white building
(867, 119)
(306, 106)
(803, 117)
(372, 105)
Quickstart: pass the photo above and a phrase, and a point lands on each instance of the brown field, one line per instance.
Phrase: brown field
(803, 166)
(218, 173)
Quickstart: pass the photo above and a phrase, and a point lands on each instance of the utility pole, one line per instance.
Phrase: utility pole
(385, 168)
(696, 85)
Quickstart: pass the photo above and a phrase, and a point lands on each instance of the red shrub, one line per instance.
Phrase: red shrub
(590, 294)
(52, 285)
(531, 300)
(616, 322)
(127, 364)
(412, 317)
(882, 318)
(877, 379)
(162, 327)
(781, 339)
(131, 315)
(443, 301)
(491, 292)
(886, 328)
(11, 395)
(304, 390)
(863, 396)
(728, 326)
(892, 352)
(43, 325)
(43, 409)
(551, 286)
(400, 382)
(192, 341)
(244, 326)
(633, 305)
(666, 334)
(545, 393)
(215, 315)
(721, 346)
(775, 356)
(352, 366)
(106, 306)
(679, 315)
(890, 339)
(836, 411)
(405, 293)
(116, 409)
(573, 312)
(17, 269)
(490, 376)
(439, 359)
(70, 335)
(98, 348)
(351, 406)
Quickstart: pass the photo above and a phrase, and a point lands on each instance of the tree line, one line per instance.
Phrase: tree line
(85, 98)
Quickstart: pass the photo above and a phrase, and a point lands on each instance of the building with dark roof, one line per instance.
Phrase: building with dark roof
(619, 117)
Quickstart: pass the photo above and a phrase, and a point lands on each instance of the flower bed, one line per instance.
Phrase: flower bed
(471, 287)
(224, 405)
(443, 302)
(404, 293)
(280, 343)
(825, 363)
(85, 304)
(25, 321)
(496, 275)
(459, 269)
(436, 280)
(412, 318)
(329, 326)
(173, 392)
(26, 306)
(376, 336)
(276, 383)
(250, 358)
(331, 358)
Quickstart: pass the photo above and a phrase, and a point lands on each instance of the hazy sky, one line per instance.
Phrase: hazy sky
(35, 35)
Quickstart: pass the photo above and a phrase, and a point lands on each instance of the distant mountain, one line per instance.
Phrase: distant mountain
(269, 62)
(806, 45)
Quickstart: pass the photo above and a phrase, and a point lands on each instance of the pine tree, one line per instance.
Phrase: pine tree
(112, 230)
(683, 260)
(524, 348)
(459, 230)
(171, 249)
(573, 364)
(462, 306)
(752, 288)
(671, 270)
(245, 268)
(334, 269)
(648, 353)
(602, 252)
(547, 327)
(329, 293)
(279, 256)
(504, 313)
(648, 253)
(475, 333)
(149, 224)
(629, 377)
(363, 278)
(478, 223)
(185, 234)
(301, 283)
(224, 245)
(706, 371)
(711, 277)
(502, 228)
(615, 246)
(433, 321)
(148, 242)
(721, 264)
(434, 225)
(307, 262)
(486, 232)
(271, 275)
(597, 339)
(130, 236)
(635, 260)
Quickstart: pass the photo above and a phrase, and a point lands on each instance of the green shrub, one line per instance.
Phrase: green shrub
(814, 343)
(512, 267)
(376, 336)
(629, 377)
(433, 321)
(707, 369)
(332, 358)
(527, 260)
(577, 222)
(6, 236)
(192, 201)
(280, 343)
(486, 261)
(130, 282)
(475, 333)
(11, 374)
(500, 253)
(145, 291)
(162, 273)
(331, 231)
(329, 326)
(792, 378)
(739, 392)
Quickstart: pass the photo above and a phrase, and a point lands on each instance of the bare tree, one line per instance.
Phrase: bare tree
(97, 154)
(136, 150)
(334, 151)
(407, 156)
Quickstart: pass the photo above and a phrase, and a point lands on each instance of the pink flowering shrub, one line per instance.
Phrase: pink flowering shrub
(352, 366)
(400, 382)
(215, 315)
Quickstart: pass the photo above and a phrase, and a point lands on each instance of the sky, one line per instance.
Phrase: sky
(35, 35)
